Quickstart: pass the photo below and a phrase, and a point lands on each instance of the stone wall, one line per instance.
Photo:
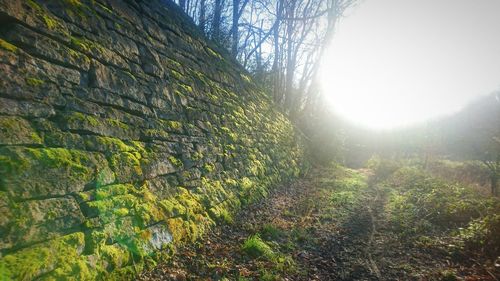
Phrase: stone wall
(122, 132)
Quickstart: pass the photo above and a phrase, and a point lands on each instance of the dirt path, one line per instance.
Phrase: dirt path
(331, 225)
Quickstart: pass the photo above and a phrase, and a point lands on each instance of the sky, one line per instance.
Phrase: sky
(399, 62)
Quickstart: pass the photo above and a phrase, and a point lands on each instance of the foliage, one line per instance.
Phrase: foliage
(271, 232)
(422, 205)
(382, 168)
(482, 234)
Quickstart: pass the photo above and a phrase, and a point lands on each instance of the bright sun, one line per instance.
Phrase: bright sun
(397, 62)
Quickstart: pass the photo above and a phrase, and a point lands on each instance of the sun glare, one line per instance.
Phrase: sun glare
(398, 62)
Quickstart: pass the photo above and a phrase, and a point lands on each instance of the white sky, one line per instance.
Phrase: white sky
(396, 62)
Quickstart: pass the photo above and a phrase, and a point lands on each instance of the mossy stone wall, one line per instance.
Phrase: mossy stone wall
(122, 133)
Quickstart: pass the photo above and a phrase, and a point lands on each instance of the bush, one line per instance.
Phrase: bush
(420, 204)
(382, 168)
(483, 235)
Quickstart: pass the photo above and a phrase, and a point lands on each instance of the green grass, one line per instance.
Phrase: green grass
(255, 247)
(421, 205)
(271, 232)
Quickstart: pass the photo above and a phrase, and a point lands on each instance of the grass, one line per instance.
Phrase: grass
(255, 247)
(421, 205)
(271, 232)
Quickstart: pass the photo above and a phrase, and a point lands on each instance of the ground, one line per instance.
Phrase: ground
(331, 225)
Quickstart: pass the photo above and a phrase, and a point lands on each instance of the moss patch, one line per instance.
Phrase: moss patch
(7, 46)
(34, 82)
(59, 255)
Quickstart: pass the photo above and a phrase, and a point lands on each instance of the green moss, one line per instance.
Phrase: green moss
(187, 88)
(176, 162)
(177, 228)
(117, 123)
(213, 53)
(246, 78)
(246, 183)
(74, 3)
(256, 168)
(113, 190)
(35, 137)
(156, 134)
(125, 163)
(115, 144)
(34, 5)
(176, 125)
(176, 74)
(172, 207)
(271, 232)
(197, 156)
(62, 253)
(189, 200)
(50, 22)
(34, 82)
(78, 118)
(212, 97)
(174, 63)
(19, 161)
(7, 46)
(129, 74)
(78, 56)
(209, 167)
(121, 212)
(83, 118)
(86, 45)
(17, 130)
(115, 254)
(106, 9)
(221, 214)
(229, 133)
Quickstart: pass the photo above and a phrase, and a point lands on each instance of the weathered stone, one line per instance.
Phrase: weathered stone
(44, 172)
(159, 166)
(16, 130)
(42, 46)
(25, 108)
(101, 126)
(111, 79)
(163, 186)
(38, 220)
(105, 97)
(150, 62)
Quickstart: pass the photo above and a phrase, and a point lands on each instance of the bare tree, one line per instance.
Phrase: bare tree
(279, 41)
(201, 16)
(237, 12)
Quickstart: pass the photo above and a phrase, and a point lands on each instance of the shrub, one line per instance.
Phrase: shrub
(382, 168)
(483, 235)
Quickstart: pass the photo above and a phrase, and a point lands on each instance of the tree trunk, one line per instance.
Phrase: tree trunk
(182, 4)
(234, 28)
(202, 20)
(290, 59)
(275, 68)
(216, 21)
